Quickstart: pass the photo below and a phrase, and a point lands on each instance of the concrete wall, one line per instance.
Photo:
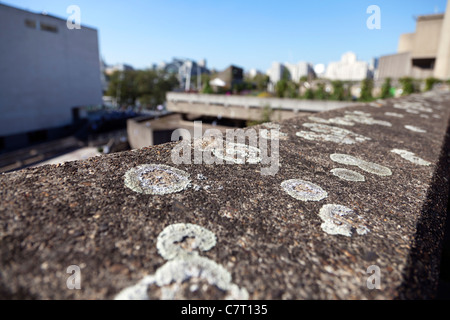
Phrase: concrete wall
(208, 100)
(44, 74)
(427, 36)
(142, 131)
(394, 66)
(406, 43)
(442, 69)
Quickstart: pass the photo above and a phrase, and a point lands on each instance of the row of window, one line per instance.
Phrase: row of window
(40, 25)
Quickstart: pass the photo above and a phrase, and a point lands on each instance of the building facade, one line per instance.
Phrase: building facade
(348, 69)
(185, 70)
(422, 54)
(46, 70)
(294, 72)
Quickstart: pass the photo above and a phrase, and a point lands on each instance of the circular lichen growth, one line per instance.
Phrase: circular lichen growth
(304, 190)
(348, 175)
(156, 179)
(186, 270)
(340, 220)
(181, 239)
(170, 280)
(238, 153)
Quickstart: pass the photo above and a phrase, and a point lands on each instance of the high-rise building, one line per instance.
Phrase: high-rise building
(423, 53)
(46, 69)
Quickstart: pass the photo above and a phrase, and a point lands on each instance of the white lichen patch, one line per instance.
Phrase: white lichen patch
(271, 125)
(178, 244)
(415, 129)
(322, 132)
(273, 134)
(345, 159)
(348, 175)
(238, 153)
(413, 107)
(180, 240)
(170, 277)
(340, 220)
(350, 118)
(365, 118)
(156, 179)
(338, 120)
(304, 190)
(407, 155)
(393, 114)
(362, 164)
(374, 168)
(207, 143)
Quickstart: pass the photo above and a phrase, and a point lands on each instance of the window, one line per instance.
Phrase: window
(49, 28)
(37, 136)
(30, 23)
(424, 63)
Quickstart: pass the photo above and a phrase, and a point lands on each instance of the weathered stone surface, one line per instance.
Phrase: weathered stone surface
(269, 245)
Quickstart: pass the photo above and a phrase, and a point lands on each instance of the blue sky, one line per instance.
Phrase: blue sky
(247, 33)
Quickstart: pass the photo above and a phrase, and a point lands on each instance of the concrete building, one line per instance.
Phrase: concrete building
(348, 69)
(46, 70)
(424, 53)
(228, 78)
(295, 72)
(185, 70)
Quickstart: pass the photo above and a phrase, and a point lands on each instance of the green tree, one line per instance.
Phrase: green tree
(339, 92)
(122, 87)
(366, 90)
(261, 81)
(430, 82)
(407, 85)
(292, 90)
(309, 94)
(282, 86)
(207, 87)
(147, 86)
(321, 93)
(386, 89)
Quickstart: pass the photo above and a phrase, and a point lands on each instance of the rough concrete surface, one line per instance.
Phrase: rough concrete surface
(238, 234)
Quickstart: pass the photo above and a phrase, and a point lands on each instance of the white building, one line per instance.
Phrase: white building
(45, 71)
(348, 69)
(299, 70)
(296, 72)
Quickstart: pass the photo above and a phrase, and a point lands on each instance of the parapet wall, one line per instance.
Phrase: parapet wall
(355, 209)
